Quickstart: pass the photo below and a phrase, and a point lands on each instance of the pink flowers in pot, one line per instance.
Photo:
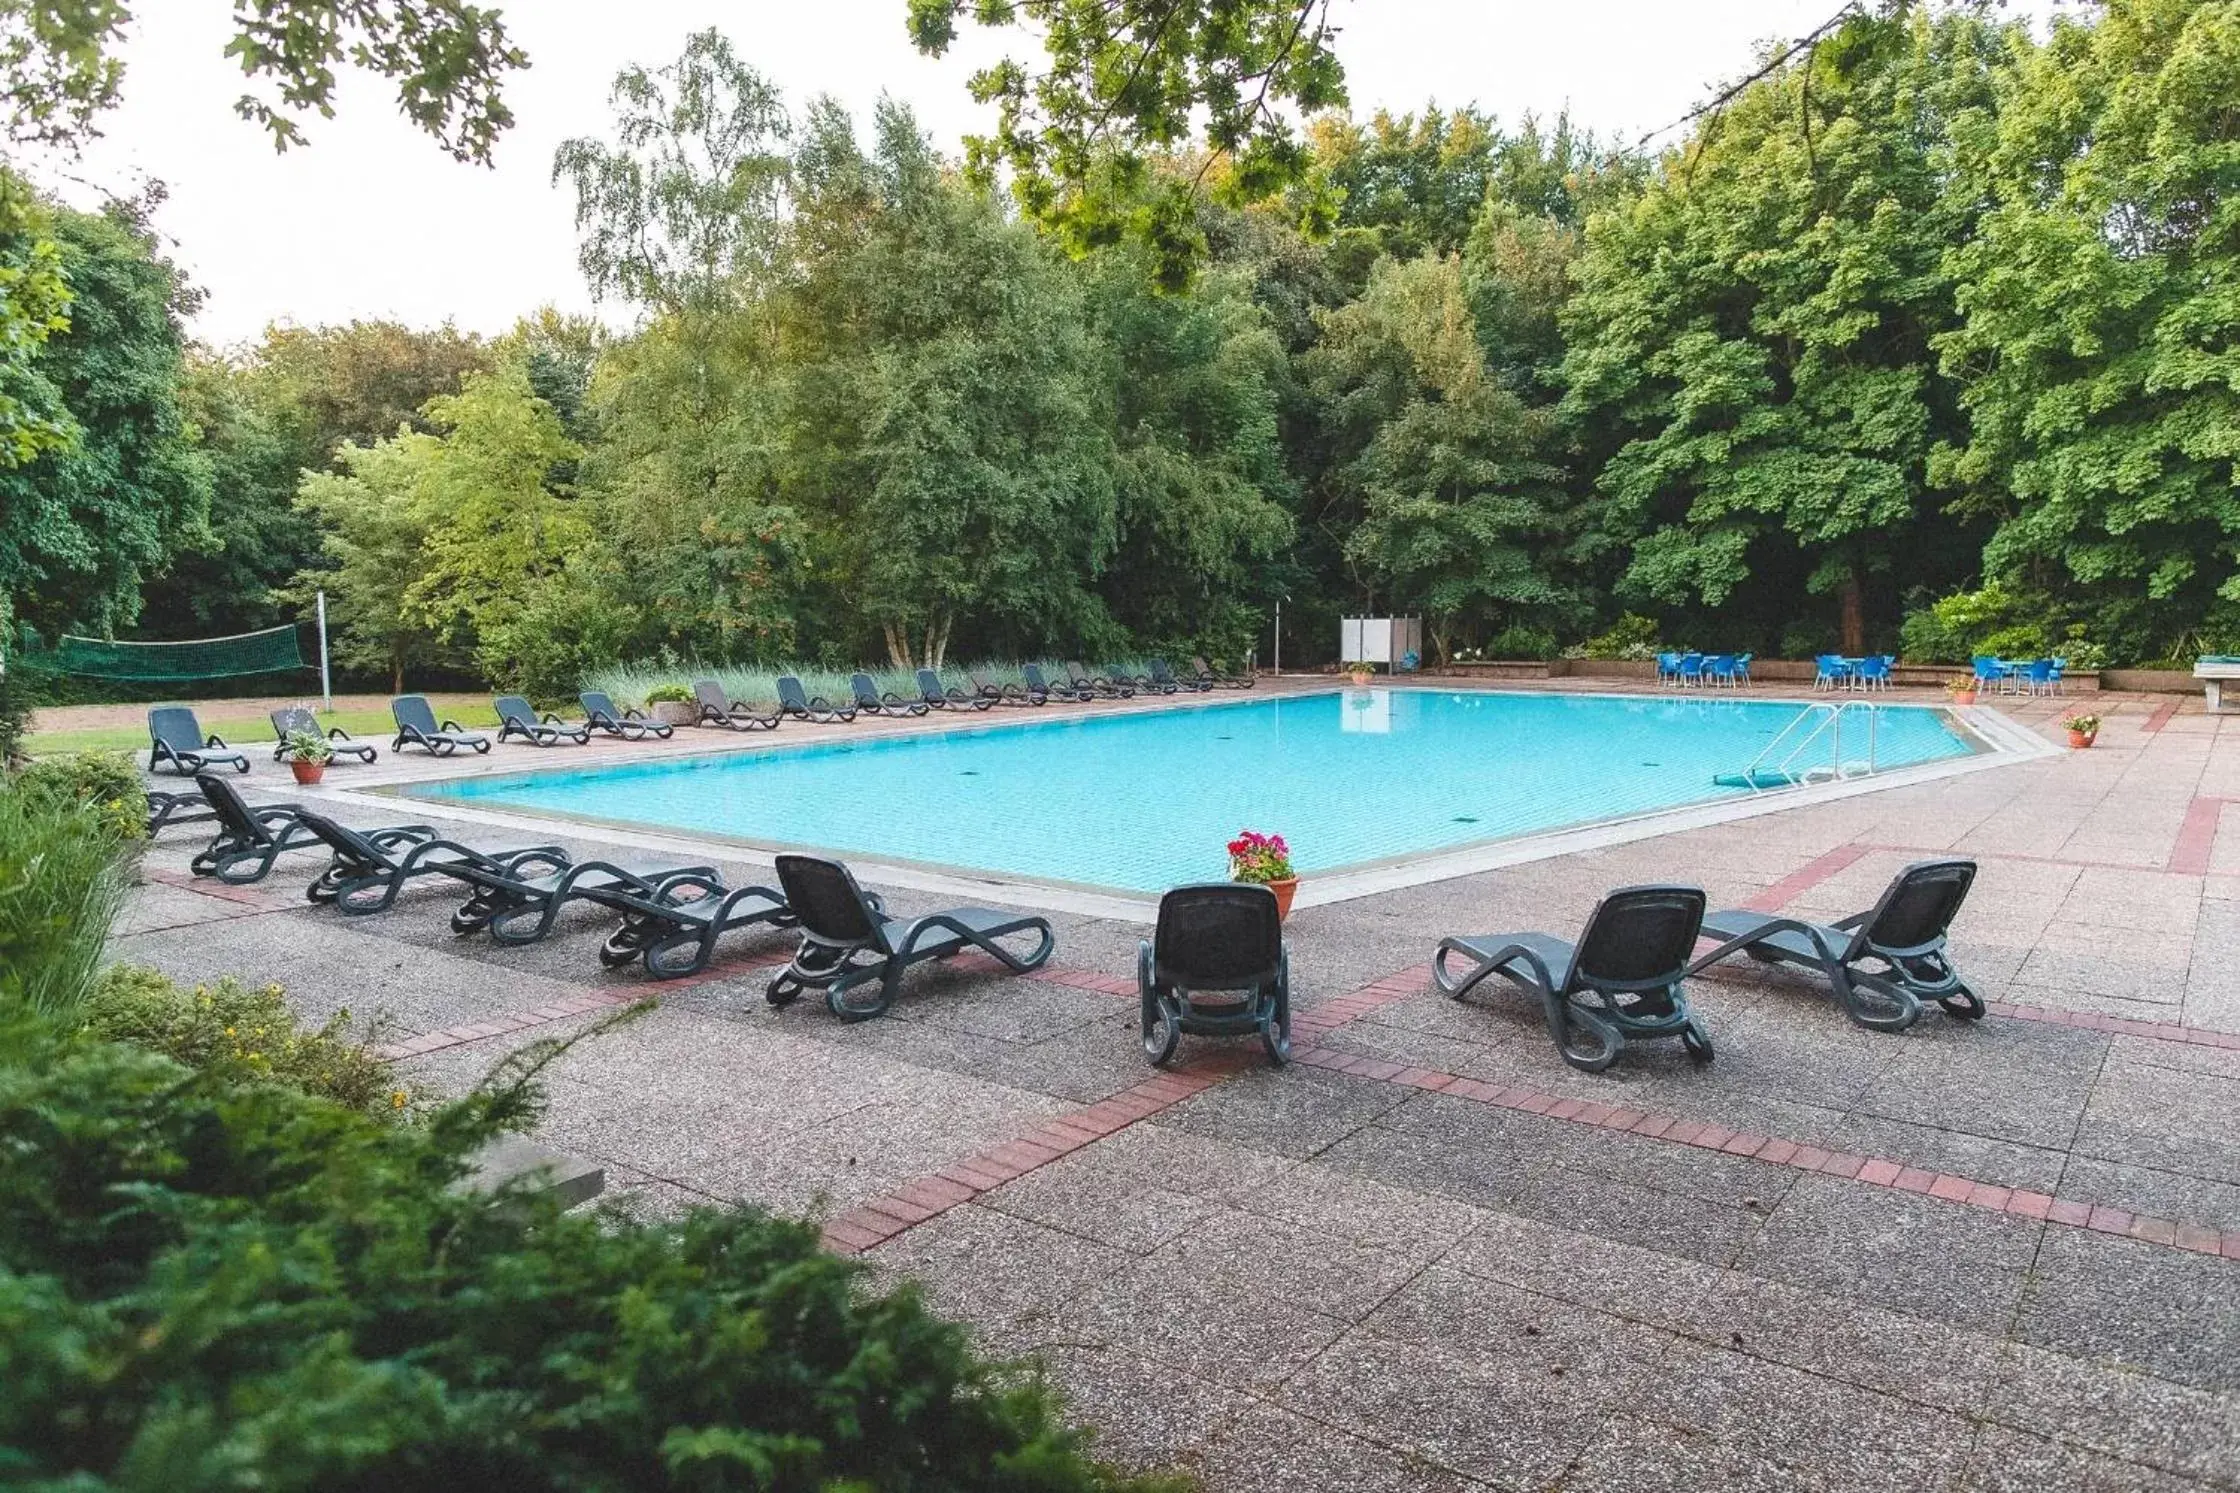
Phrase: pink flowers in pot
(1259, 858)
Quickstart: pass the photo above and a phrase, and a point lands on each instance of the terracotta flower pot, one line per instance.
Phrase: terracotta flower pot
(2082, 739)
(1963, 697)
(1362, 676)
(307, 772)
(1285, 890)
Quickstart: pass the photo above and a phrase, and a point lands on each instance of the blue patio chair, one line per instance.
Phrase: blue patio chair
(2039, 676)
(1990, 673)
(2060, 669)
(1668, 668)
(1742, 668)
(1831, 671)
(1873, 672)
(1720, 669)
(1691, 668)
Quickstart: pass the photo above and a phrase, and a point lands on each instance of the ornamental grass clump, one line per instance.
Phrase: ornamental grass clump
(64, 870)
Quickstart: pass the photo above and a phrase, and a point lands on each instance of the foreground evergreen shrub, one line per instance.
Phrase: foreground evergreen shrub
(244, 1033)
(210, 1285)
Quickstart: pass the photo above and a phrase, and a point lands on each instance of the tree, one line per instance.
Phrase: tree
(685, 211)
(1461, 509)
(81, 526)
(356, 382)
(1751, 339)
(955, 451)
(447, 58)
(1415, 183)
(2101, 305)
(1127, 82)
(1200, 489)
(371, 532)
(232, 575)
(34, 305)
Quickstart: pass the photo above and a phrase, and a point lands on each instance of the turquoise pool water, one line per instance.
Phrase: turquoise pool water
(1145, 800)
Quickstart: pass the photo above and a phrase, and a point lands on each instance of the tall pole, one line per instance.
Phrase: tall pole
(326, 679)
(1279, 638)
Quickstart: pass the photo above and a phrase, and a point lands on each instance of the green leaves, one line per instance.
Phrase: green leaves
(1132, 82)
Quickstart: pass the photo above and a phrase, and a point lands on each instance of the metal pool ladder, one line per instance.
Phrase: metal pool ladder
(1822, 720)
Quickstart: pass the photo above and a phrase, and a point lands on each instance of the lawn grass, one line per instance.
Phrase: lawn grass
(247, 732)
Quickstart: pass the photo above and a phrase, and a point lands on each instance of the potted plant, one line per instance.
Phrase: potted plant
(672, 705)
(1264, 860)
(1962, 688)
(2082, 729)
(1361, 673)
(308, 755)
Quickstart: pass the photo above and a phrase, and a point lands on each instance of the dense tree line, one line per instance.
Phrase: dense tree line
(1928, 336)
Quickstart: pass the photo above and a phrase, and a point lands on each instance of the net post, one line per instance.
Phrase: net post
(326, 679)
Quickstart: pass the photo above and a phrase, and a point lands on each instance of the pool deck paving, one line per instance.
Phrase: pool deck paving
(1429, 1255)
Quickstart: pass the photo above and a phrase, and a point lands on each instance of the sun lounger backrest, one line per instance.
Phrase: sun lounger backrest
(1639, 937)
(824, 896)
(930, 685)
(176, 727)
(1919, 906)
(596, 702)
(1160, 673)
(514, 710)
(413, 712)
(342, 838)
(791, 694)
(294, 718)
(1032, 673)
(1224, 935)
(867, 691)
(710, 694)
(232, 809)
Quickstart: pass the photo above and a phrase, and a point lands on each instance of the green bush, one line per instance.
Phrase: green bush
(106, 782)
(1629, 637)
(205, 1285)
(669, 694)
(1519, 642)
(244, 1033)
(19, 693)
(62, 878)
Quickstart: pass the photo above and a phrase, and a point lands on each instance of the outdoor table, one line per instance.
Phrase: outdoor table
(2213, 669)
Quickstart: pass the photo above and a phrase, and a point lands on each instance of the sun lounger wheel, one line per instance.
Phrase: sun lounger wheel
(1698, 1042)
(1276, 1035)
(1962, 1002)
(1160, 1033)
(1879, 1003)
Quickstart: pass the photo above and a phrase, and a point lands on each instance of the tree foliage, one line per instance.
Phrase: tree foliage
(1124, 83)
(83, 525)
(2099, 347)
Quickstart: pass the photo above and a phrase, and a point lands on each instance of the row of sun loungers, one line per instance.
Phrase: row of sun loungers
(670, 916)
(1215, 966)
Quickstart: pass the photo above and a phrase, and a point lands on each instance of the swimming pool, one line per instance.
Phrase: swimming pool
(1145, 800)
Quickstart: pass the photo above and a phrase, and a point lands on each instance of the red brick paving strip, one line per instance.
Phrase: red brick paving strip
(2154, 723)
(2197, 836)
(1805, 878)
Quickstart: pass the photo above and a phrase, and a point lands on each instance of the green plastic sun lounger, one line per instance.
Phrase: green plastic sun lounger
(871, 701)
(176, 741)
(341, 743)
(718, 709)
(673, 928)
(1883, 963)
(517, 718)
(1005, 693)
(367, 868)
(854, 953)
(1215, 966)
(1621, 981)
(630, 723)
(797, 702)
(938, 696)
(519, 904)
(417, 726)
(249, 839)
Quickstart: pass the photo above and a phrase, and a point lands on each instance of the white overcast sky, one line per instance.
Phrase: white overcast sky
(374, 220)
